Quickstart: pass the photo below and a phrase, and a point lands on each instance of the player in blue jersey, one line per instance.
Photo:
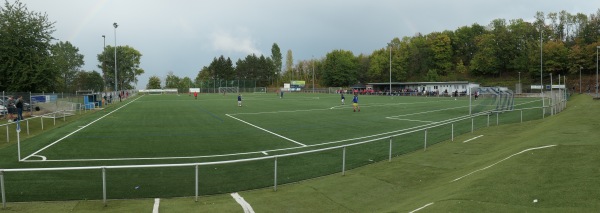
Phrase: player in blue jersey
(355, 102)
(239, 100)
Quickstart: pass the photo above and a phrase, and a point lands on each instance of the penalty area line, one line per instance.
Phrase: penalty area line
(293, 141)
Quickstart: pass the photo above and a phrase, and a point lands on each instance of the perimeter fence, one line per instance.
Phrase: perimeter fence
(207, 178)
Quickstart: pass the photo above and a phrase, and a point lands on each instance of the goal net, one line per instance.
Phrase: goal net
(260, 90)
(229, 90)
(492, 99)
(334, 90)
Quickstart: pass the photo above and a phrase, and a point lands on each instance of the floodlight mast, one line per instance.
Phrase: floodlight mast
(115, 25)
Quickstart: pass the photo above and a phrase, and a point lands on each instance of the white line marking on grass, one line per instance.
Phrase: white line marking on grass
(422, 207)
(156, 203)
(245, 205)
(473, 138)
(296, 142)
(487, 167)
(418, 113)
(40, 156)
(265, 153)
(410, 120)
(66, 136)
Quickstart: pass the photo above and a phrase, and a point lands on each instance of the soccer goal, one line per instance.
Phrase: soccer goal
(493, 99)
(260, 90)
(334, 90)
(229, 90)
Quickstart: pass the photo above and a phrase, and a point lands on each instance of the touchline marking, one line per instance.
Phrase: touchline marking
(296, 142)
(156, 204)
(487, 167)
(411, 120)
(66, 136)
(265, 153)
(422, 207)
(245, 205)
(473, 138)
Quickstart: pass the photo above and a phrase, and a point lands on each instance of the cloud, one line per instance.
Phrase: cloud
(242, 43)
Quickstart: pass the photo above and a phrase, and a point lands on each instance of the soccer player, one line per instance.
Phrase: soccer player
(239, 100)
(195, 95)
(343, 98)
(355, 103)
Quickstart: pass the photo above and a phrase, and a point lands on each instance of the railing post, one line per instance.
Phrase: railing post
(54, 118)
(452, 131)
(275, 178)
(7, 138)
(472, 124)
(497, 115)
(42, 119)
(27, 126)
(344, 161)
(2, 189)
(104, 185)
(425, 146)
(196, 182)
(390, 156)
(521, 116)
(488, 121)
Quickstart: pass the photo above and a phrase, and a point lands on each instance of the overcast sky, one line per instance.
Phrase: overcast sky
(184, 35)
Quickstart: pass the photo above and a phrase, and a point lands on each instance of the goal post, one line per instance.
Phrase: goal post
(334, 90)
(229, 90)
(260, 90)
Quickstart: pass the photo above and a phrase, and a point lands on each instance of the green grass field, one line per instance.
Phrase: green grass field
(161, 129)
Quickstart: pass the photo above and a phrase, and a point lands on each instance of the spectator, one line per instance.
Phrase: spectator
(19, 109)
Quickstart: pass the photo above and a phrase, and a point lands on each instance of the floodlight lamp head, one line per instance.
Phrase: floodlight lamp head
(115, 25)
(103, 36)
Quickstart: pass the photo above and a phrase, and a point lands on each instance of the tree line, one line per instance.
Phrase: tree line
(31, 60)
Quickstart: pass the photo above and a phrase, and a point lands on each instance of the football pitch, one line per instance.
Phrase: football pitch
(178, 129)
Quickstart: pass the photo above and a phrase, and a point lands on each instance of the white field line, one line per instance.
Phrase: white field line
(240, 200)
(66, 136)
(487, 167)
(418, 113)
(156, 204)
(401, 119)
(237, 154)
(265, 153)
(422, 207)
(263, 129)
(473, 138)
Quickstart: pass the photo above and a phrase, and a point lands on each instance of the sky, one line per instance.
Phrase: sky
(182, 36)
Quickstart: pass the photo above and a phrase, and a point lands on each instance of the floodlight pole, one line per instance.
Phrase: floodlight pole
(541, 68)
(390, 46)
(104, 63)
(580, 79)
(597, 47)
(115, 25)
(520, 88)
(313, 69)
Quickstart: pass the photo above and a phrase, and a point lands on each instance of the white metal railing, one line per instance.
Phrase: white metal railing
(274, 157)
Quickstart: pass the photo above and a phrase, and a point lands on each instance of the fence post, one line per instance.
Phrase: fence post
(390, 156)
(42, 119)
(27, 126)
(104, 185)
(452, 131)
(7, 138)
(497, 115)
(196, 182)
(54, 118)
(344, 161)
(275, 178)
(2, 189)
(521, 116)
(425, 147)
(472, 124)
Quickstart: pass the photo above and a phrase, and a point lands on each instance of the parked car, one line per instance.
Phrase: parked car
(3, 110)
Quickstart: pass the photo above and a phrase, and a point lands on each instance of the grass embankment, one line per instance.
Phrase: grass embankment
(562, 178)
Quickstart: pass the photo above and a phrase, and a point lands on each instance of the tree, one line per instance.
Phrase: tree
(88, 81)
(153, 83)
(485, 62)
(128, 61)
(289, 64)
(172, 81)
(276, 57)
(441, 50)
(341, 68)
(24, 50)
(67, 61)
